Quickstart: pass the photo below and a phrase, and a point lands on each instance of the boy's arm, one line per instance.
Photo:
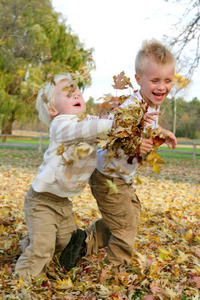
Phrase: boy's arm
(70, 131)
(171, 140)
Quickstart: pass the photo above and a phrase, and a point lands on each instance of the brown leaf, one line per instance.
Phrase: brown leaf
(158, 141)
(120, 83)
(103, 275)
(4, 138)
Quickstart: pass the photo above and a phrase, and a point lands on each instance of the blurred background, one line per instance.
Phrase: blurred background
(38, 38)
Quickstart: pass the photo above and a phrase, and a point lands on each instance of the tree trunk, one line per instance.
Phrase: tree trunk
(174, 124)
(6, 126)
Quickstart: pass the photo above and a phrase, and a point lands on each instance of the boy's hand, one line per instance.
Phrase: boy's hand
(171, 140)
(145, 146)
(148, 117)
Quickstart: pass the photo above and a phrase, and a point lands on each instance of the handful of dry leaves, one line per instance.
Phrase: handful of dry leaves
(125, 137)
(127, 132)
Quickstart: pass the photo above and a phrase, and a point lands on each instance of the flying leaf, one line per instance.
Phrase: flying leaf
(112, 186)
(156, 168)
(4, 138)
(119, 81)
(138, 180)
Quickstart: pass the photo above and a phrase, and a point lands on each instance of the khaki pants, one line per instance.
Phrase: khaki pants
(50, 226)
(120, 217)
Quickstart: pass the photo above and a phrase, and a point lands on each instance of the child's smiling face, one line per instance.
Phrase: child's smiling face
(67, 102)
(155, 82)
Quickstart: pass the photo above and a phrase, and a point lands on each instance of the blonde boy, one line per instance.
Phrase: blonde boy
(48, 210)
(155, 66)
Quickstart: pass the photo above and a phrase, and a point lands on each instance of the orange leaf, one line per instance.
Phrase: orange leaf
(158, 141)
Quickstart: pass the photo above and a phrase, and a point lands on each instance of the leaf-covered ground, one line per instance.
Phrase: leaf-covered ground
(166, 262)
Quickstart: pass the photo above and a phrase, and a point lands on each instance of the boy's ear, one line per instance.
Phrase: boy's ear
(137, 78)
(52, 111)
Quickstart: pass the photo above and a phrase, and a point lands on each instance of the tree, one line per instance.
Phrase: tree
(91, 105)
(34, 42)
(179, 83)
(186, 42)
(166, 116)
(188, 117)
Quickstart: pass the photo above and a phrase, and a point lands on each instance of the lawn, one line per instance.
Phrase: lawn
(166, 261)
(45, 142)
(26, 140)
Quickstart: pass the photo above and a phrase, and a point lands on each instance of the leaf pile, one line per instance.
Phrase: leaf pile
(166, 261)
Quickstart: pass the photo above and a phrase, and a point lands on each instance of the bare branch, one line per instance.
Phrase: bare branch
(186, 43)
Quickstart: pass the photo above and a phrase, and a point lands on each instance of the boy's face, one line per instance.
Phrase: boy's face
(66, 102)
(155, 82)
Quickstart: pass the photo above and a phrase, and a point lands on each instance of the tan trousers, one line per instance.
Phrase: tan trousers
(120, 217)
(50, 226)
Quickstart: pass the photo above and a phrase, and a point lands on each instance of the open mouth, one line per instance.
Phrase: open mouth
(77, 104)
(159, 96)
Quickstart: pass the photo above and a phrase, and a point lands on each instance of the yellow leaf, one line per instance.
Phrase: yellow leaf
(2, 229)
(156, 168)
(189, 235)
(21, 282)
(61, 149)
(142, 259)
(154, 268)
(64, 284)
(82, 150)
(197, 268)
(176, 271)
(138, 180)
(182, 257)
(112, 186)
(164, 251)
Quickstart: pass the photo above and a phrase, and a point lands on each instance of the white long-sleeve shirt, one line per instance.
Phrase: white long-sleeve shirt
(54, 176)
(121, 163)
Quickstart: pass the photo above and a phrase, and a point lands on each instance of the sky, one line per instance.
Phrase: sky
(115, 30)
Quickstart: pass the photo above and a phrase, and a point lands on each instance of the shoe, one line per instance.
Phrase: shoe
(75, 248)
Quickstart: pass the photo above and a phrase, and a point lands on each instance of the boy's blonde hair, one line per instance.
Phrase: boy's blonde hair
(45, 98)
(155, 50)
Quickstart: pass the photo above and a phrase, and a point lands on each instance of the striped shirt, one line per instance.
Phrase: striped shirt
(67, 180)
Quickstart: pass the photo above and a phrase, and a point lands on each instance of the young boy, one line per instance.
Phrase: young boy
(155, 66)
(48, 210)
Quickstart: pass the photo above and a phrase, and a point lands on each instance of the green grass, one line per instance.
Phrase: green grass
(179, 155)
(45, 142)
(183, 148)
(26, 141)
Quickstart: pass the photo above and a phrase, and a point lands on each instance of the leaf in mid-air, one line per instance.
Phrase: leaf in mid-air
(113, 187)
(119, 82)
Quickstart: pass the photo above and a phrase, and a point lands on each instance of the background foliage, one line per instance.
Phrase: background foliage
(188, 117)
(34, 42)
